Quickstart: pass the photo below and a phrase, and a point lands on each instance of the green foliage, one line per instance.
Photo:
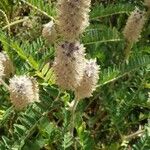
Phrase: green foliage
(118, 109)
(41, 6)
(100, 11)
(101, 35)
(114, 73)
(144, 142)
(7, 6)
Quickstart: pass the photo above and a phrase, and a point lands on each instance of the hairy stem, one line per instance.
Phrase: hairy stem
(34, 7)
(133, 135)
(4, 84)
(73, 115)
(6, 18)
(127, 51)
(14, 23)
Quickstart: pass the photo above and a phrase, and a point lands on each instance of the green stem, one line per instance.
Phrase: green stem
(133, 135)
(76, 101)
(127, 51)
(14, 23)
(4, 84)
(34, 7)
(6, 18)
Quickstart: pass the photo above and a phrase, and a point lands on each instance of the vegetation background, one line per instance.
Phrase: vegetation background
(116, 117)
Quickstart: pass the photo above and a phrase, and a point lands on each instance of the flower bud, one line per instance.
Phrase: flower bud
(134, 26)
(23, 90)
(49, 32)
(7, 64)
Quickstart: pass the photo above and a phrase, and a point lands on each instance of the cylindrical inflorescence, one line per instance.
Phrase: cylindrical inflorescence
(7, 64)
(69, 64)
(23, 90)
(134, 26)
(49, 32)
(73, 18)
(1, 70)
(89, 81)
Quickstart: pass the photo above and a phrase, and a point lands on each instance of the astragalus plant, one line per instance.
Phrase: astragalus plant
(74, 74)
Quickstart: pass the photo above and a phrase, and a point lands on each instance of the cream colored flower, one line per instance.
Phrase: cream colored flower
(49, 32)
(73, 17)
(89, 81)
(69, 64)
(23, 90)
(7, 64)
(134, 26)
(28, 23)
(1, 70)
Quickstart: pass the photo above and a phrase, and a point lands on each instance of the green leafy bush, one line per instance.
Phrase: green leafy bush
(116, 116)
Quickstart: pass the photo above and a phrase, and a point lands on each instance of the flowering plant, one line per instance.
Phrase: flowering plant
(74, 74)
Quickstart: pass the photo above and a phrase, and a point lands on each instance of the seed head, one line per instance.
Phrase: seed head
(134, 26)
(73, 17)
(23, 90)
(49, 32)
(89, 81)
(7, 64)
(69, 64)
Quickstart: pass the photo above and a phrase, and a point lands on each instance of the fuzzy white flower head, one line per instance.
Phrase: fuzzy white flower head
(7, 64)
(69, 64)
(134, 26)
(1, 70)
(89, 81)
(73, 17)
(49, 32)
(23, 91)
